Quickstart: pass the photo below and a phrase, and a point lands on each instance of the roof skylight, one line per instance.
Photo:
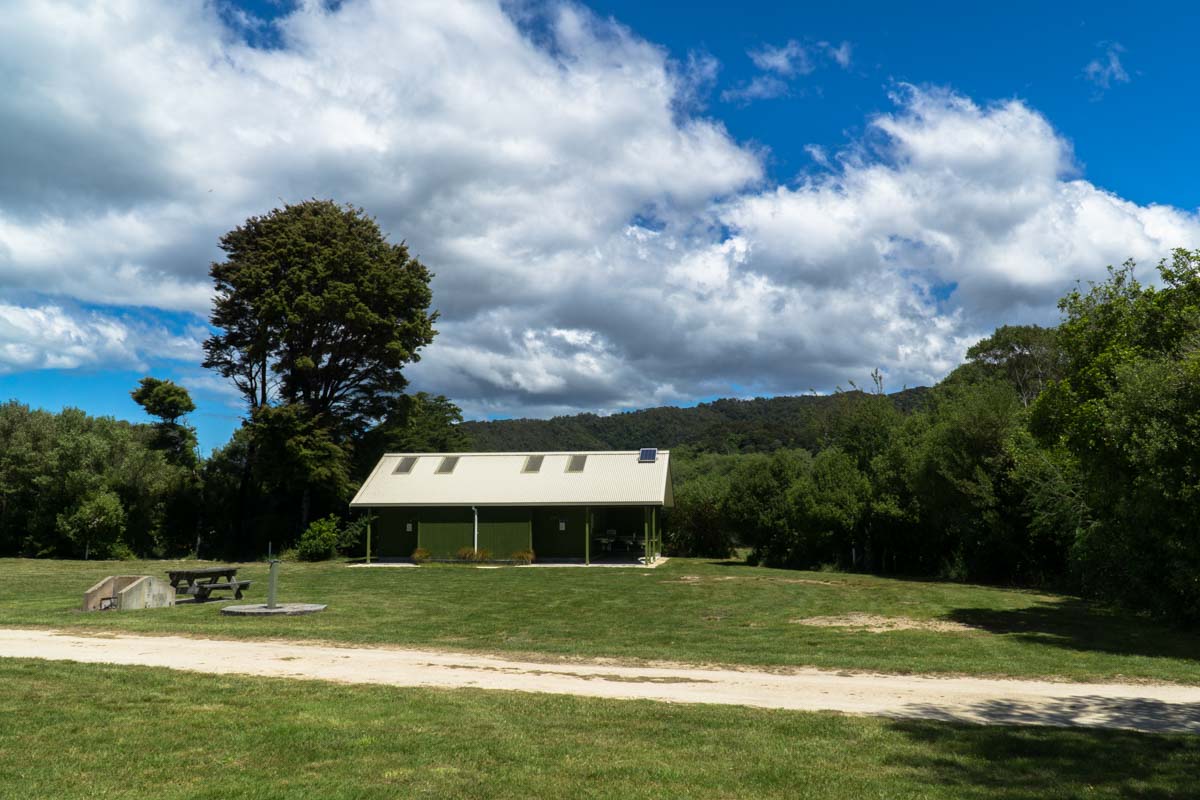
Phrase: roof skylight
(405, 465)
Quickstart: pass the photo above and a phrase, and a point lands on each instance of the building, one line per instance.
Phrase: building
(586, 506)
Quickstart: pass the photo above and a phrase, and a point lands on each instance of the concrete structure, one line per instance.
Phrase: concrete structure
(587, 505)
(129, 592)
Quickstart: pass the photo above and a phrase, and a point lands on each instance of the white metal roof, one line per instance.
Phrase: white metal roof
(609, 478)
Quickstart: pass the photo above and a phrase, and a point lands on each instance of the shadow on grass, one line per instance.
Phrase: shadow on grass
(1135, 713)
(1077, 625)
(1031, 763)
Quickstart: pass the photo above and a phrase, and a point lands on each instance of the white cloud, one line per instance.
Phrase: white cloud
(1103, 72)
(787, 60)
(597, 243)
(52, 337)
(839, 53)
(782, 64)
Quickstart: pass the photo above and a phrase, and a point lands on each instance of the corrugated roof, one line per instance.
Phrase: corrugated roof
(608, 478)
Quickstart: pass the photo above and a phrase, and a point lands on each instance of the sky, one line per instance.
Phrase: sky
(624, 204)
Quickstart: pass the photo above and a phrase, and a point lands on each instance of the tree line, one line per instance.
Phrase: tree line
(1066, 457)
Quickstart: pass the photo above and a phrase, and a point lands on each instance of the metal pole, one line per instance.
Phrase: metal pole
(368, 536)
(587, 536)
(476, 511)
(271, 581)
(646, 532)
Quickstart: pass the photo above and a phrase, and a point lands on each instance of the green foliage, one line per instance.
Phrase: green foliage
(316, 307)
(1127, 414)
(320, 540)
(317, 315)
(64, 476)
(95, 526)
(163, 399)
(761, 425)
(169, 401)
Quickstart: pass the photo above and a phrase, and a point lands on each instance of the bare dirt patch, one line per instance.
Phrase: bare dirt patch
(980, 700)
(874, 623)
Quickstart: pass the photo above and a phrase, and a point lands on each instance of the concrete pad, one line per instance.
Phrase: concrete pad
(280, 610)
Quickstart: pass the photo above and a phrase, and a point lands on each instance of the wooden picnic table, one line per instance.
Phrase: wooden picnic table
(200, 583)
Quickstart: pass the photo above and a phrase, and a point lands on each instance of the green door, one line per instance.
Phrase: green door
(395, 532)
(504, 531)
(558, 532)
(443, 531)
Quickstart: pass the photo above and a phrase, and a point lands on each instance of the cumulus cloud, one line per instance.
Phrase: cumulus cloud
(597, 242)
(50, 336)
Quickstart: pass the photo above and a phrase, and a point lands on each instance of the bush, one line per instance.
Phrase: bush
(523, 556)
(352, 535)
(421, 555)
(320, 541)
(471, 554)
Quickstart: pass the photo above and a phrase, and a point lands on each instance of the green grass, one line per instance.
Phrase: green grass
(101, 733)
(686, 610)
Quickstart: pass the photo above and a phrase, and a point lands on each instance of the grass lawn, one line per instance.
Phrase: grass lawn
(686, 610)
(98, 732)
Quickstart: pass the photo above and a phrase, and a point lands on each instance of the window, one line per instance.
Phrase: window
(648, 455)
(405, 465)
(576, 463)
(447, 466)
(533, 464)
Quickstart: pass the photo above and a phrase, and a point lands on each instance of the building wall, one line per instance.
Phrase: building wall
(443, 531)
(504, 531)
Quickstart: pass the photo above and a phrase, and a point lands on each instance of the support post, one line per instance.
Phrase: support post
(368, 536)
(271, 581)
(646, 533)
(655, 544)
(587, 536)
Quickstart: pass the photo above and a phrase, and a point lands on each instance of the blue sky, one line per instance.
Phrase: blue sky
(626, 204)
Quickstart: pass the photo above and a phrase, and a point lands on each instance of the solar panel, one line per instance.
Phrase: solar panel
(405, 465)
(648, 455)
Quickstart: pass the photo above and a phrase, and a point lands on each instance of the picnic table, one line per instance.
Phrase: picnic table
(200, 583)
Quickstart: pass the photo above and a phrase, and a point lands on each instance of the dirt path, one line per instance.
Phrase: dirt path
(1138, 707)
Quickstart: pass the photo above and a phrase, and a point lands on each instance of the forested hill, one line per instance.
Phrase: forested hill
(724, 426)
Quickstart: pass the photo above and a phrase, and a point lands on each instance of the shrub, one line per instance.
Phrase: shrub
(421, 555)
(352, 535)
(320, 541)
(471, 554)
(523, 556)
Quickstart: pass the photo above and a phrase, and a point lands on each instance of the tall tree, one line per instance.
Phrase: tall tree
(318, 314)
(169, 402)
(316, 307)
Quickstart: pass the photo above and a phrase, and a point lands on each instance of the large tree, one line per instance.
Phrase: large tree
(315, 307)
(318, 314)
